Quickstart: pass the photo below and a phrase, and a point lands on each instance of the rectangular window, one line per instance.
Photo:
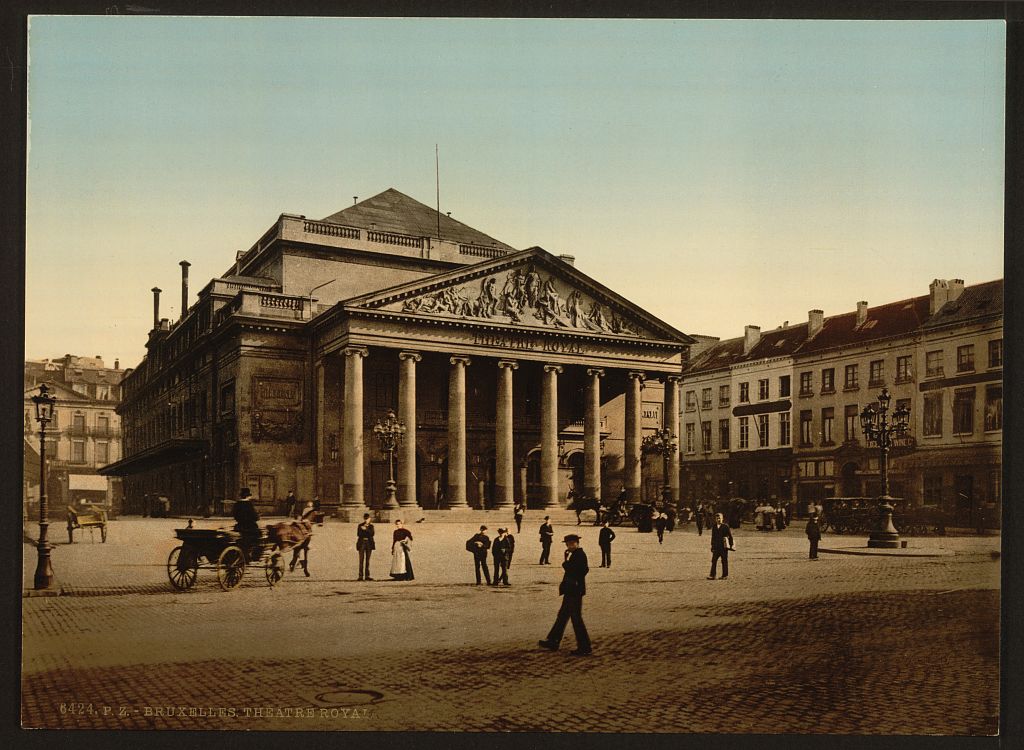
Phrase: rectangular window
(723, 395)
(691, 400)
(744, 393)
(784, 428)
(933, 364)
(933, 414)
(903, 371)
(723, 434)
(744, 432)
(965, 358)
(103, 424)
(806, 425)
(78, 422)
(993, 407)
(227, 397)
(784, 386)
(850, 378)
(102, 453)
(828, 416)
(852, 416)
(689, 437)
(762, 389)
(78, 451)
(876, 373)
(963, 411)
(762, 430)
(385, 390)
(705, 436)
(828, 380)
(705, 398)
(932, 489)
(805, 384)
(995, 353)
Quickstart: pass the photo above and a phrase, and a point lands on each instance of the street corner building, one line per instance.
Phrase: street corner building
(517, 377)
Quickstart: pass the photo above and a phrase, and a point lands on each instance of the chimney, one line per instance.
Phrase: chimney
(156, 306)
(569, 259)
(862, 313)
(117, 364)
(184, 287)
(938, 295)
(956, 288)
(815, 321)
(751, 335)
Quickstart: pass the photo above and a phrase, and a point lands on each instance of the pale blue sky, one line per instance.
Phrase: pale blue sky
(718, 173)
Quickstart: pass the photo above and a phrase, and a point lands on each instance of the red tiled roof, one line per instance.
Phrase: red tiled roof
(883, 321)
(978, 301)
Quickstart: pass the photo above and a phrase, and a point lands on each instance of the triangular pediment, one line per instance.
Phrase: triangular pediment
(529, 289)
(59, 391)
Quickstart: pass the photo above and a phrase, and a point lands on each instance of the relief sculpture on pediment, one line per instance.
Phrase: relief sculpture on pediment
(524, 296)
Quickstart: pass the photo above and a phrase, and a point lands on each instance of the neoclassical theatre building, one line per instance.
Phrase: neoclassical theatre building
(516, 375)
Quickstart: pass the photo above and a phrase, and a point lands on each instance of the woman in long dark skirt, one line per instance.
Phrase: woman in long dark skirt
(401, 563)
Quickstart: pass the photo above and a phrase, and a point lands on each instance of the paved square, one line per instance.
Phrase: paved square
(845, 644)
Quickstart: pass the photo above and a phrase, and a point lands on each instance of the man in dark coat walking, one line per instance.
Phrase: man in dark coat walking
(604, 541)
(572, 589)
(502, 550)
(813, 534)
(547, 536)
(720, 532)
(478, 545)
(365, 546)
(660, 523)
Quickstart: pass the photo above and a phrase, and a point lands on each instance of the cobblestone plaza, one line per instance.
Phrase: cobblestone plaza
(784, 645)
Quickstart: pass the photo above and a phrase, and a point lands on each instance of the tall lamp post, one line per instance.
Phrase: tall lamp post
(662, 442)
(44, 415)
(880, 429)
(390, 433)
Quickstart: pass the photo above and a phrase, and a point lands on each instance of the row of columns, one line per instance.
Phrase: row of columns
(353, 487)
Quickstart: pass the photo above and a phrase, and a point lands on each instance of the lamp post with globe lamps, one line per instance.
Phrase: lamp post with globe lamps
(390, 433)
(44, 403)
(881, 430)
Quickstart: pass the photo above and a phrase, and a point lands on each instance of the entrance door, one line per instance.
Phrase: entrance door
(576, 473)
(532, 477)
(850, 482)
(964, 488)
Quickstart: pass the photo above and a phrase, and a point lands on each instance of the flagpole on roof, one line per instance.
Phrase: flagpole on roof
(437, 184)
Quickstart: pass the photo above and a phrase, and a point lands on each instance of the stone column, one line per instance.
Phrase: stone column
(320, 434)
(504, 481)
(671, 409)
(352, 439)
(633, 436)
(549, 436)
(407, 414)
(457, 433)
(592, 435)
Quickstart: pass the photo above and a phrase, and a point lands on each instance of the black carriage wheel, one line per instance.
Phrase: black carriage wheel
(230, 567)
(273, 568)
(182, 569)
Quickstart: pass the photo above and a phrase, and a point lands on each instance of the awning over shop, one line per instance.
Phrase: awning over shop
(167, 452)
(977, 456)
(91, 482)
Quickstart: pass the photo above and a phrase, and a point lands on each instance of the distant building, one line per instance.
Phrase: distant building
(785, 405)
(517, 376)
(84, 436)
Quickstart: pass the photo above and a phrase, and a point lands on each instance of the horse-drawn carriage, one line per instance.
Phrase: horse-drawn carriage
(618, 511)
(849, 515)
(921, 520)
(229, 552)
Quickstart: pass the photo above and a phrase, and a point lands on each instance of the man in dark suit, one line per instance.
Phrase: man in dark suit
(572, 589)
(604, 541)
(501, 550)
(247, 523)
(480, 543)
(365, 545)
(720, 532)
(547, 536)
(813, 534)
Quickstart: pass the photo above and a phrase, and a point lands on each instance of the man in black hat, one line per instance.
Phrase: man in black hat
(502, 552)
(720, 532)
(604, 541)
(813, 534)
(247, 521)
(547, 536)
(572, 589)
(365, 546)
(478, 544)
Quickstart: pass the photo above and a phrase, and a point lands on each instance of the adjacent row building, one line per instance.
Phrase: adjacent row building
(776, 414)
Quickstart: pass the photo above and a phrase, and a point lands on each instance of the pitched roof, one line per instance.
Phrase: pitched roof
(392, 211)
(778, 342)
(978, 301)
(883, 321)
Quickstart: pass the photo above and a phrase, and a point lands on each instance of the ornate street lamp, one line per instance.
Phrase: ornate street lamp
(879, 429)
(44, 403)
(390, 433)
(662, 442)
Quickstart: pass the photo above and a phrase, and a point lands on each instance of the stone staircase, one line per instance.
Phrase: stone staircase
(493, 519)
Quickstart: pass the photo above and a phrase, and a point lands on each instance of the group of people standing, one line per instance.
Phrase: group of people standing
(401, 543)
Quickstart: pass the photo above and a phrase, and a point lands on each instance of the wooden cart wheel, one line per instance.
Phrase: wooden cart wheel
(182, 568)
(274, 568)
(230, 567)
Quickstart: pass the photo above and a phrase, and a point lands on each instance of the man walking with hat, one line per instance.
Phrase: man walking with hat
(478, 544)
(572, 589)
